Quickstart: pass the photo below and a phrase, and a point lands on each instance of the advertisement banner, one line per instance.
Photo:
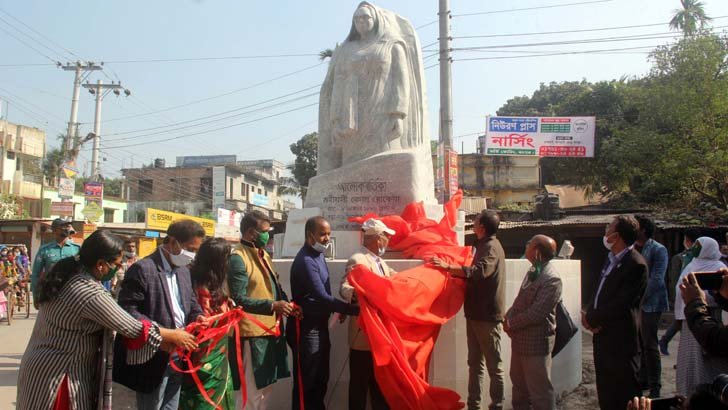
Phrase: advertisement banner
(62, 208)
(160, 220)
(540, 136)
(260, 200)
(94, 193)
(452, 172)
(66, 188)
(228, 224)
(218, 188)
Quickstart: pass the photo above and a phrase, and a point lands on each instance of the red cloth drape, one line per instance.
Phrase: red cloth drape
(402, 315)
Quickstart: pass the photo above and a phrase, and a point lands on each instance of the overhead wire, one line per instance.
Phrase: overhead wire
(237, 90)
(40, 34)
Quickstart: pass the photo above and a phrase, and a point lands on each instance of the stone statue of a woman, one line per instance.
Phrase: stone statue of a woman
(373, 108)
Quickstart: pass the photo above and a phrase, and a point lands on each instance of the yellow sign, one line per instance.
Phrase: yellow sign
(160, 220)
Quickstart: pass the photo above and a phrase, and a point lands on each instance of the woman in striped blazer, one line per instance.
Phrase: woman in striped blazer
(60, 367)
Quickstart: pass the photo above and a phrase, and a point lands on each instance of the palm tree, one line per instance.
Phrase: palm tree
(691, 18)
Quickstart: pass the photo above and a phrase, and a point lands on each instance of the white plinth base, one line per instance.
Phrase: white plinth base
(449, 362)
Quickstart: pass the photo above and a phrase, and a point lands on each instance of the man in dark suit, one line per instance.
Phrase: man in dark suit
(159, 288)
(612, 316)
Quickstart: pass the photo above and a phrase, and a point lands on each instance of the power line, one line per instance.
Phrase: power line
(41, 34)
(215, 115)
(216, 129)
(31, 38)
(248, 87)
(565, 31)
(187, 59)
(552, 6)
(31, 104)
(546, 54)
(28, 45)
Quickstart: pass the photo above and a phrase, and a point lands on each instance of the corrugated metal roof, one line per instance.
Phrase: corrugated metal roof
(569, 220)
(473, 204)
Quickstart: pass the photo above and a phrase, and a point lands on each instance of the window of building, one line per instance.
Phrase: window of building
(146, 186)
(260, 191)
(108, 215)
(231, 189)
(244, 189)
(17, 164)
(10, 155)
(205, 185)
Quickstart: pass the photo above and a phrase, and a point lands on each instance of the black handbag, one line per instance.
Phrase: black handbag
(565, 328)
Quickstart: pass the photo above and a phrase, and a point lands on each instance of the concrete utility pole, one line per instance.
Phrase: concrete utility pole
(100, 90)
(81, 72)
(445, 89)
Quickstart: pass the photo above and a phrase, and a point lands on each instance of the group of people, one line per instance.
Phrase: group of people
(625, 310)
(14, 267)
(190, 279)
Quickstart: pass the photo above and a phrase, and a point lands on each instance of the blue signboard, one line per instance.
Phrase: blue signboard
(260, 200)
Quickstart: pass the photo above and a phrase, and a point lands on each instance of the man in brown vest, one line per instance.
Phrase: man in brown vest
(361, 364)
(255, 286)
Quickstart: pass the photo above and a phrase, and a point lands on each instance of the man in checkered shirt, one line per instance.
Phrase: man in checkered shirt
(531, 324)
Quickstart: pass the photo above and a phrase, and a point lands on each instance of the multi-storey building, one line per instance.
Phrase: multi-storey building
(21, 153)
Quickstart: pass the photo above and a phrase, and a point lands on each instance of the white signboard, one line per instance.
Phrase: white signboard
(540, 136)
(228, 224)
(66, 187)
(218, 188)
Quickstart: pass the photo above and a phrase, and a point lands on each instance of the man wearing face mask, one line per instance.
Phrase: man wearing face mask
(47, 256)
(255, 286)
(311, 288)
(361, 365)
(612, 315)
(158, 288)
(531, 324)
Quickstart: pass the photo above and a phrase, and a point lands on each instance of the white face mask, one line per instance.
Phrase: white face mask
(319, 247)
(184, 258)
(130, 254)
(606, 243)
(382, 251)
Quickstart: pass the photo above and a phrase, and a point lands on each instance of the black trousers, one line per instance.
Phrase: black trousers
(313, 354)
(617, 381)
(363, 382)
(651, 365)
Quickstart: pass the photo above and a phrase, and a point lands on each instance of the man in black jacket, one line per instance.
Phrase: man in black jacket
(612, 316)
(484, 309)
(158, 288)
(710, 333)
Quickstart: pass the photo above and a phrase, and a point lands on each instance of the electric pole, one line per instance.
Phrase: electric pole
(100, 90)
(81, 72)
(445, 89)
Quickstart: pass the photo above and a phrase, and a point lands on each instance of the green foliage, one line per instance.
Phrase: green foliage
(112, 186)
(10, 207)
(52, 165)
(304, 167)
(691, 18)
(660, 140)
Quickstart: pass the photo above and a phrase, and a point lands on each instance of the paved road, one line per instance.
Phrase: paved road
(13, 340)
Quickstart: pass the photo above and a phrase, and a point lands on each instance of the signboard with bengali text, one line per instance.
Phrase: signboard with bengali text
(160, 220)
(540, 136)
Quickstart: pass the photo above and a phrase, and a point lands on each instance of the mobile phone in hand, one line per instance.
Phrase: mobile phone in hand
(667, 403)
(709, 280)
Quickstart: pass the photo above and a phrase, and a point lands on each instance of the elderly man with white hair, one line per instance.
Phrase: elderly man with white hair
(361, 366)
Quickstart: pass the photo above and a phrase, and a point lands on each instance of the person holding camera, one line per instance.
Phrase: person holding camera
(711, 334)
(694, 367)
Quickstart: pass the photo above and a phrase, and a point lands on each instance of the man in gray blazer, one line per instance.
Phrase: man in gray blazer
(531, 324)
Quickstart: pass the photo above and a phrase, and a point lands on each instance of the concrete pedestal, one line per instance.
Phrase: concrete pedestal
(449, 361)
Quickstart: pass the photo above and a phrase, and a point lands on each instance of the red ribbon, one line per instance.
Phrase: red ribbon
(203, 333)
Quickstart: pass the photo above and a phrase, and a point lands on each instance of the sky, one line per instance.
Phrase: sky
(250, 78)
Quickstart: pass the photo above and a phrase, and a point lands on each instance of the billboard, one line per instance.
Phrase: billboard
(94, 192)
(540, 136)
(218, 188)
(205, 160)
(160, 220)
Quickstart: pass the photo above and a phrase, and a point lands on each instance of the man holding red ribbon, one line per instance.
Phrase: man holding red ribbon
(255, 286)
(311, 290)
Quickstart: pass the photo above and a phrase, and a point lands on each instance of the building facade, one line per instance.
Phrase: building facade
(198, 185)
(21, 153)
(503, 180)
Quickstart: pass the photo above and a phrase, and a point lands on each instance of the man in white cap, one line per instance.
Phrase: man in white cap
(361, 366)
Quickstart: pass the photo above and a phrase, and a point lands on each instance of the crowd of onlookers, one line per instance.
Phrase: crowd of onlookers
(101, 298)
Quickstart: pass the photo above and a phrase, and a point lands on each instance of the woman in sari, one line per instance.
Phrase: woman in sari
(210, 285)
(60, 367)
(694, 366)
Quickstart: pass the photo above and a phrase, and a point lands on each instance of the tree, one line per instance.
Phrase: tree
(691, 18)
(10, 207)
(304, 167)
(52, 165)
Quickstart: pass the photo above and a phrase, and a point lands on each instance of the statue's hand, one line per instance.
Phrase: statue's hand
(397, 127)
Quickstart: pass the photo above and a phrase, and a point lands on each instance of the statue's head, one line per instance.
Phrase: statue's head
(364, 22)
(364, 19)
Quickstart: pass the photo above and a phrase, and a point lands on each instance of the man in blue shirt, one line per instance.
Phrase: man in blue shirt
(61, 247)
(311, 290)
(654, 302)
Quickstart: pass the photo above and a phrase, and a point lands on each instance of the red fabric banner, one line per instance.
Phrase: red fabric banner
(402, 315)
